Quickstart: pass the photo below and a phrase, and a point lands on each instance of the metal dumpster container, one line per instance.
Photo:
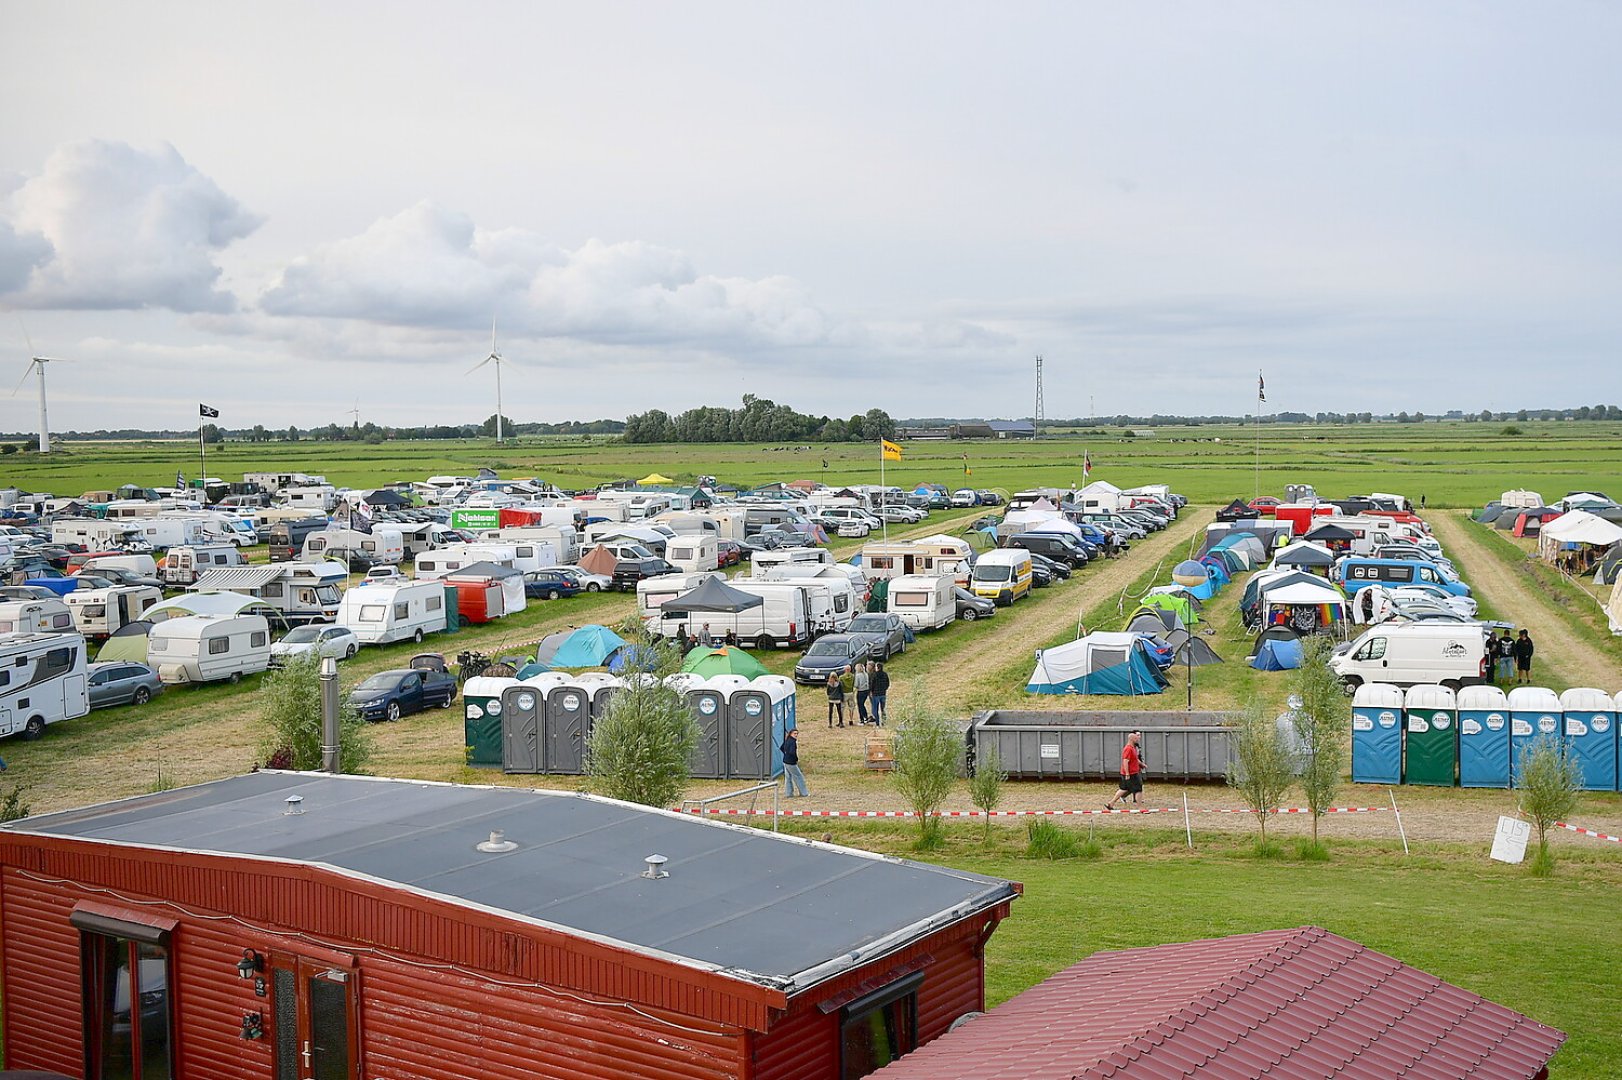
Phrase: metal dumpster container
(1038, 744)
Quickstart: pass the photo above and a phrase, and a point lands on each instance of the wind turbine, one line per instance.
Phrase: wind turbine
(500, 362)
(36, 366)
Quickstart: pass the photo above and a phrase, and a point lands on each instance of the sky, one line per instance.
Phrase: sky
(294, 210)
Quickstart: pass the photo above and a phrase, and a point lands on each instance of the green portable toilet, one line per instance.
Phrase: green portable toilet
(1430, 750)
(481, 712)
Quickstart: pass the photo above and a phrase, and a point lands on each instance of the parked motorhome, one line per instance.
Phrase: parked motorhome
(723, 524)
(760, 561)
(448, 560)
(800, 571)
(98, 612)
(653, 592)
(297, 592)
(35, 617)
(45, 681)
(1003, 575)
(383, 545)
(381, 613)
(184, 565)
(526, 539)
(287, 537)
(274, 482)
(209, 648)
(935, 556)
(924, 602)
(830, 602)
(421, 536)
(178, 529)
(314, 499)
(651, 535)
(95, 533)
(693, 552)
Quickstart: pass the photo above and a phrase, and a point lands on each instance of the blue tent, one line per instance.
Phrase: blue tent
(589, 646)
(1277, 656)
(634, 657)
(1099, 663)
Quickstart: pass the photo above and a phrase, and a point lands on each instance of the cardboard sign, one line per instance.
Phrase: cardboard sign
(1509, 842)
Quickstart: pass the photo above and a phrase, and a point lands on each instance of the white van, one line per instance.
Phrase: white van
(526, 539)
(385, 612)
(209, 648)
(652, 593)
(299, 592)
(185, 565)
(42, 680)
(782, 621)
(693, 552)
(924, 602)
(1002, 576)
(35, 617)
(830, 602)
(385, 545)
(800, 571)
(98, 612)
(1409, 654)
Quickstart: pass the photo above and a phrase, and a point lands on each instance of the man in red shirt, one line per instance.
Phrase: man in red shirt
(1131, 771)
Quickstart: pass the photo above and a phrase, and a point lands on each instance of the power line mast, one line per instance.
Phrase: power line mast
(1036, 421)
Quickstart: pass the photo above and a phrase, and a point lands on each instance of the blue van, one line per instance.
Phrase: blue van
(1356, 572)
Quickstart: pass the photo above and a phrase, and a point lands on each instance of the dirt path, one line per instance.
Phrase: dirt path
(1559, 647)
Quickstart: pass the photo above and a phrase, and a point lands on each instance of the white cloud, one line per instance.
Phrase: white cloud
(119, 227)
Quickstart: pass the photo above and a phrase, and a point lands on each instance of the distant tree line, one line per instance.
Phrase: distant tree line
(759, 420)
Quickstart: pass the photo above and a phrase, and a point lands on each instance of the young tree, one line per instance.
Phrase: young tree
(926, 751)
(1548, 780)
(986, 786)
(638, 749)
(291, 721)
(1264, 763)
(1322, 721)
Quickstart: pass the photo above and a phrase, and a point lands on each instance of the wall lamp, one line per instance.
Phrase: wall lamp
(250, 967)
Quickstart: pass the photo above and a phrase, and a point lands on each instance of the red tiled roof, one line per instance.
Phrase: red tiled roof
(1284, 1004)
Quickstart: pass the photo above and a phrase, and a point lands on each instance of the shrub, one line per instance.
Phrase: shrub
(1548, 780)
(1322, 720)
(12, 807)
(1263, 766)
(927, 748)
(638, 750)
(1045, 840)
(291, 723)
(986, 786)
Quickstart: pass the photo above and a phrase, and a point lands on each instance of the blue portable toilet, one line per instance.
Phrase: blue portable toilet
(1483, 737)
(1533, 711)
(1377, 734)
(1590, 731)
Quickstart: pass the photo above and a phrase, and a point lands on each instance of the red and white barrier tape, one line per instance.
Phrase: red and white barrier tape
(1589, 832)
(765, 812)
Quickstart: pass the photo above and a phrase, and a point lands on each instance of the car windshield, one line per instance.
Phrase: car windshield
(385, 681)
(992, 573)
(301, 636)
(829, 647)
(868, 625)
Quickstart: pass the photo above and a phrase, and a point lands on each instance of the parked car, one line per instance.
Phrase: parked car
(120, 576)
(759, 542)
(1057, 570)
(1041, 576)
(886, 633)
(728, 552)
(856, 529)
(786, 538)
(338, 642)
(989, 498)
(965, 497)
(389, 695)
(899, 515)
(1264, 503)
(549, 585)
(387, 574)
(831, 653)
(588, 581)
(122, 682)
(1462, 605)
(971, 607)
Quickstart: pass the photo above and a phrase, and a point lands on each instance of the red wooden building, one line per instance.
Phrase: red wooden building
(293, 925)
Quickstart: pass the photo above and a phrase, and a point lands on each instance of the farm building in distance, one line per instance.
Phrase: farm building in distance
(296, 924)
(1289, 1004)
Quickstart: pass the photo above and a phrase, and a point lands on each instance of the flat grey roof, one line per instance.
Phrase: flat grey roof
(775, 910)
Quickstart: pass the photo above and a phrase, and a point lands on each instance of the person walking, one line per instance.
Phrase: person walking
(836, 698)
(792, 776)
(1131, 772)
(1506, 658)
(878, 685)
(863, 673)
(1523, 659)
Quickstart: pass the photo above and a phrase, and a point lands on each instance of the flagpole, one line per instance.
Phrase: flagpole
(884, 522)
(202, 456)
(1259, 400)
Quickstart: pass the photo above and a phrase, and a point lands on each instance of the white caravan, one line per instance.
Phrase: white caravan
(924, 602)
(781, 621)
(802, 571)
(388, 611)
(298, 592)
(384, 544)
(761, 561)
(98, 612)
(693, 552)
(42, 680)
(94, 534)
(448, 560)
(315, 499)
(185, 564)
(209, 648)
(35, 617)
(563, 539)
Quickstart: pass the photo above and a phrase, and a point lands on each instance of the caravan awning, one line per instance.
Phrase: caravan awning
(237, 579)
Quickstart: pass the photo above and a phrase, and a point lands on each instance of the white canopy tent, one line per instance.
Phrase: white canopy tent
(1576, 528)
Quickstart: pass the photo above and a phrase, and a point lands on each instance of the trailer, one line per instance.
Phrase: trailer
(298, 592)
(45, 681)
(98, 613)
(209, 648)
(388, 611)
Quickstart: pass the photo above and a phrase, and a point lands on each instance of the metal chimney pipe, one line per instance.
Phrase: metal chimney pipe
(329, 714)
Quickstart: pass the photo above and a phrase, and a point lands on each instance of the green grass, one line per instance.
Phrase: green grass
(1545, 946)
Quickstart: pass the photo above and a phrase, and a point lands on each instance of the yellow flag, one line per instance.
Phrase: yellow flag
(892, 452)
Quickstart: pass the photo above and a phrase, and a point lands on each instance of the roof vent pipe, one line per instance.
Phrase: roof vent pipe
(295, 805)
(656, 867)
(497, 843)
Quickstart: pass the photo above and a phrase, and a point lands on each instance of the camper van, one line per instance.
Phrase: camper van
(528, 540)
(299, 592)
(924, 602)
(653, 592)
(693, 552)
(381, 613)
(383, 545)
(782, 620)
(420, 536)
(209, 648)
(1002, 576)
(42, 680)
(830, 602)
(315, 499)
(184, 565)
(761, 561)
(286, 537)
(800, 571)
(448, 560)
(98, 612)
(1356, 572)
(934, 556)
(179, 529)
(35, 617)
(96, 534)
(1410, 654)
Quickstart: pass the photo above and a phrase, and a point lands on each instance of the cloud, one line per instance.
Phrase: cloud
(430, 266)
(108, 225)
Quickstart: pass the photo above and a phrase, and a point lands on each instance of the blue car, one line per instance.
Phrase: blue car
(389, 695)
(549, 585)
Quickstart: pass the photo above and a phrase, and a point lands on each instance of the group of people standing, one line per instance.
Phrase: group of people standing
(1511, 658)
(872, 685)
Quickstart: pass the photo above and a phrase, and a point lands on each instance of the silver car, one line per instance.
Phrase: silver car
(122, 682)
(338, 642)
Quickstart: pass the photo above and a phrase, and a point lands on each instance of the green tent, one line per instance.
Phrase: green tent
(1182, 606)
(727, 660)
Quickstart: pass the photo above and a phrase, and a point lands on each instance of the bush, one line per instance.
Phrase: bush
(12, 807)
(291, 737)
(1322, 720)
(927, 748)
(1548, 781)
(1045, 840)
(638, 750)
(1511, 429)
(1263, 766)
(986, 786)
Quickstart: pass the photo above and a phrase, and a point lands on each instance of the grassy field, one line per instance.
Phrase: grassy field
(1453, 463)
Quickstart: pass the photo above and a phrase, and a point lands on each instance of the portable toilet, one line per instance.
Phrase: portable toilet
(563, 734)
(601, 686)
(1430, 736)
(523, 712)
(708, 706)
(1590, 730)
(759, 716)
(481, 710)
(1533, 711)
(1377, 734)
(1483, 737)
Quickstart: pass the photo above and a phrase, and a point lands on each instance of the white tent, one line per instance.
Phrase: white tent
(1576, 527)
(1613, 610)
(1303, 592)
(1100, 487)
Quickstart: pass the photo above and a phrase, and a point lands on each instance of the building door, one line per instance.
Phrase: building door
(313, 1017)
